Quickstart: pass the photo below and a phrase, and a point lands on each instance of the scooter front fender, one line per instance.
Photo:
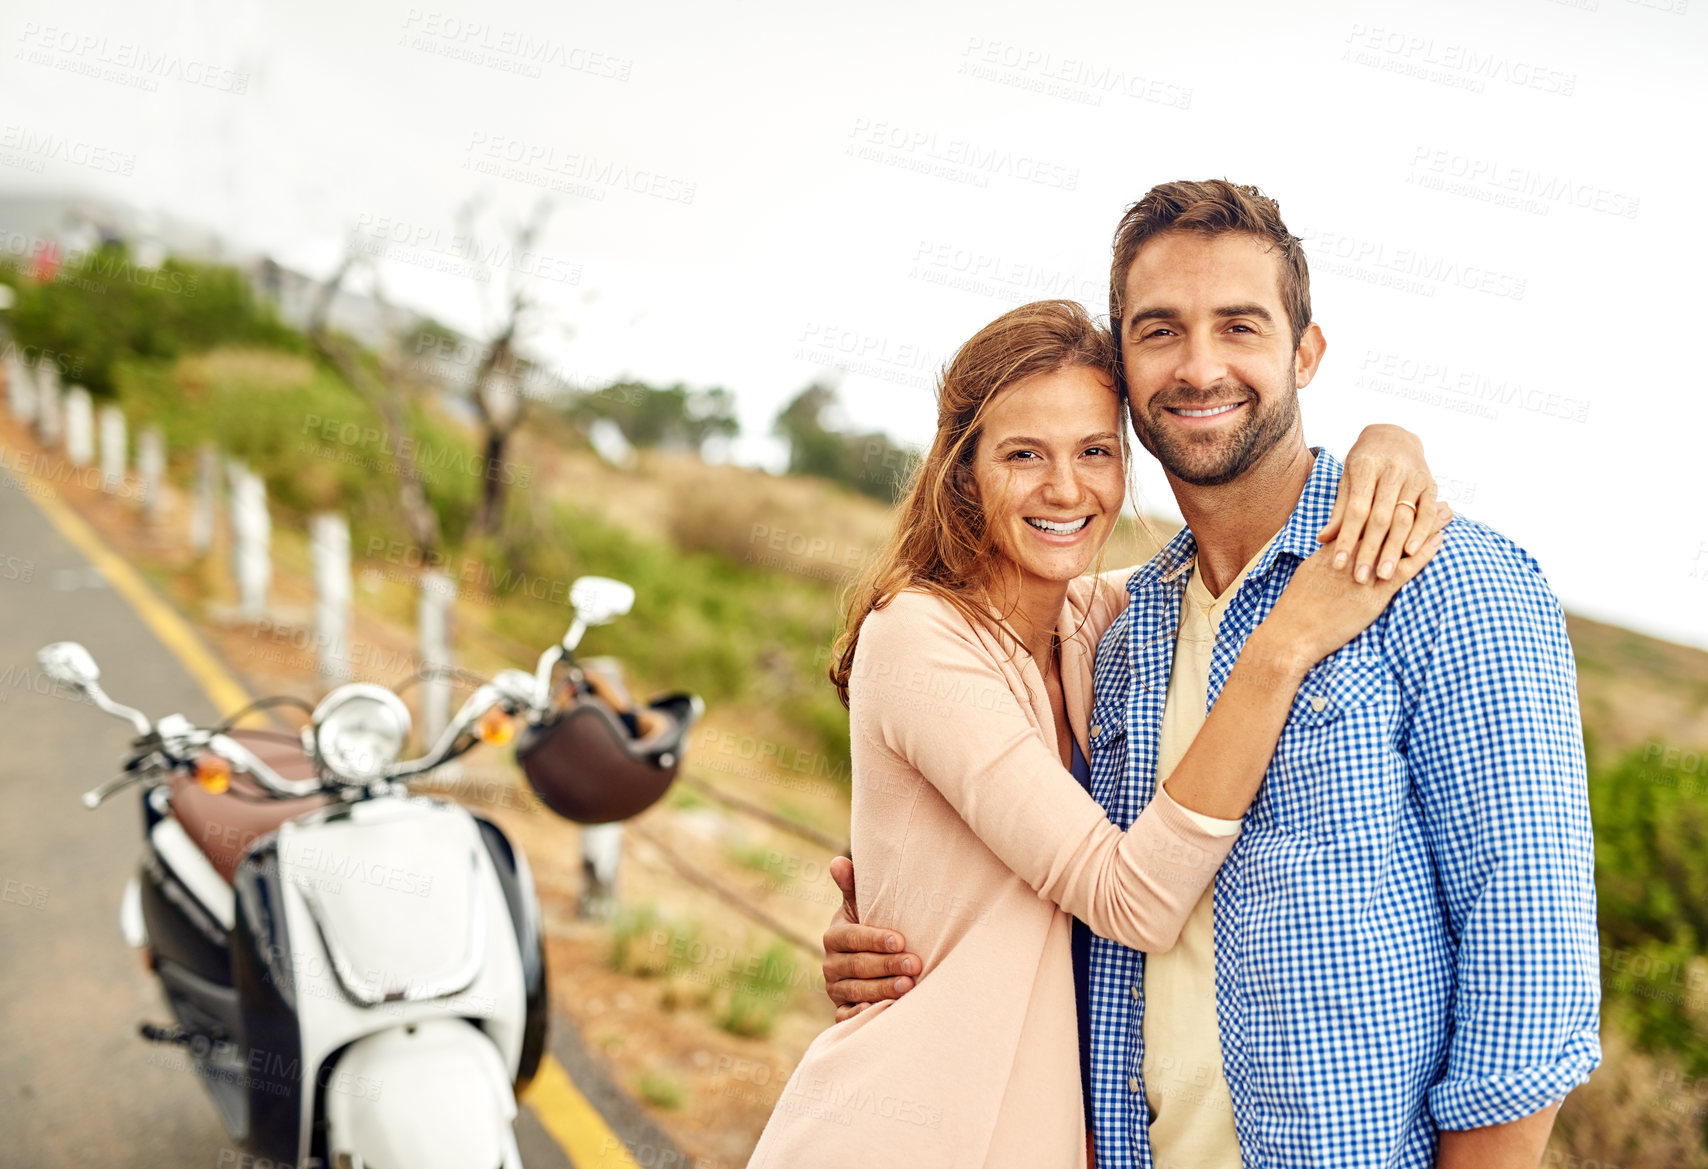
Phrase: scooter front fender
(430, 1095)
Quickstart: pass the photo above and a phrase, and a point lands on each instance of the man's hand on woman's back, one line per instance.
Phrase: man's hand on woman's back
(862, 964)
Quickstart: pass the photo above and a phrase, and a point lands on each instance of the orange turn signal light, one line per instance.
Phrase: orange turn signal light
(496, 727)
(213, 773)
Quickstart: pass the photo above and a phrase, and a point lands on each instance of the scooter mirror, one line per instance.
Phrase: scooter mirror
(69, 664)
(599, 599)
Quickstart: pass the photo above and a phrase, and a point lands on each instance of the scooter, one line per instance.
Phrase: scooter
(357, 972)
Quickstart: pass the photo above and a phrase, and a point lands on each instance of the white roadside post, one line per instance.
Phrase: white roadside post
(331, 535)
(601, 853)
(151, 466)
(433, 627)
(19, 397)
(79, 427)
(253, 531)
(113, 449)
(49, 423)
(202, 517)
(20, 389)
(602, 844)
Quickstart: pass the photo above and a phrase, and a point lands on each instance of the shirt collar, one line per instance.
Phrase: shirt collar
(1298, 536)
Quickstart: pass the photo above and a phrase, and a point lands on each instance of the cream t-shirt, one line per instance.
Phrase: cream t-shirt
(1192, 1120)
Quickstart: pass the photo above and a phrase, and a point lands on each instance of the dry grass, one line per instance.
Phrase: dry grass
(1635, 688)
(790, 523)
(255, 369)
(1636, 1112)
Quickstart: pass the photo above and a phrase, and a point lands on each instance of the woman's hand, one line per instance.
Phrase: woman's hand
(1385, 490)
(1323, 607)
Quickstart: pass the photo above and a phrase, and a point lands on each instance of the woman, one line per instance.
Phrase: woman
(967, 668)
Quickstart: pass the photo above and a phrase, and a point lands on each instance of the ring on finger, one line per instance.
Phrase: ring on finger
(1406, 503)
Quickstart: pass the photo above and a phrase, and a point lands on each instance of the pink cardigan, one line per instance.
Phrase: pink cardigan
(967, 836)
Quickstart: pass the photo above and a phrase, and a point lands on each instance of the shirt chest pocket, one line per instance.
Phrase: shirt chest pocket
(1335, 764)
(1108, 760)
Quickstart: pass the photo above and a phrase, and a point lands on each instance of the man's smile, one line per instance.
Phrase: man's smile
(1198, 417)
(1209, 412)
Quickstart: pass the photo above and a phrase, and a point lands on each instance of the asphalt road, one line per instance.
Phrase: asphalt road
(78, 1087)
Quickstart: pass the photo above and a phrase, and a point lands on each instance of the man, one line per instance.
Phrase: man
(1397, 965)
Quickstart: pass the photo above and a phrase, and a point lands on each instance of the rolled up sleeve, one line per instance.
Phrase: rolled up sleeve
(1497, 763)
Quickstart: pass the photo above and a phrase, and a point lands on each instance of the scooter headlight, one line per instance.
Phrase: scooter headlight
(360, 730)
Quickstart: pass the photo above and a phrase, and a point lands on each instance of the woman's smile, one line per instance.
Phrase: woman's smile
(1062, 528)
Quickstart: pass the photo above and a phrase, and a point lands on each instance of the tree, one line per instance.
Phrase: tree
(870, 463)
(668, 416)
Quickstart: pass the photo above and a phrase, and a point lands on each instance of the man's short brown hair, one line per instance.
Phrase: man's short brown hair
(1212, 207)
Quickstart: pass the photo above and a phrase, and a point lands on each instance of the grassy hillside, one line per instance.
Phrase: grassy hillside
(1636, 689)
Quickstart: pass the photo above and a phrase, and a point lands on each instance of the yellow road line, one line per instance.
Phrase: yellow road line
(563, 1111)
(162, 620)
(572, 1121)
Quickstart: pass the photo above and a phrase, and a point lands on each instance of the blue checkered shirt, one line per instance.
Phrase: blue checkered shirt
(1405, 932)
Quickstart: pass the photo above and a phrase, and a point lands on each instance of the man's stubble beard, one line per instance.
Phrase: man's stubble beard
(1235, 455)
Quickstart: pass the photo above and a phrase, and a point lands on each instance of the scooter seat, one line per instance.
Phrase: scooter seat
(225, 825)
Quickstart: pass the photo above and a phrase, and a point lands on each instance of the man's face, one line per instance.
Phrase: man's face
(1212, 373)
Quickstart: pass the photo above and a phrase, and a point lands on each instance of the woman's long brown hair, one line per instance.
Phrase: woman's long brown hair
(941, 542)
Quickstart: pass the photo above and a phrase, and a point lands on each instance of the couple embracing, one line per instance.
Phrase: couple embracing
(1272, 851)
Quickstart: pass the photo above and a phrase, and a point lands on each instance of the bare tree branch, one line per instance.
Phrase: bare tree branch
(385, 391)
(497, 399)
(506, 306)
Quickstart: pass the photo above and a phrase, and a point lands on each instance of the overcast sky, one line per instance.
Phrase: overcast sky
(1500, 201)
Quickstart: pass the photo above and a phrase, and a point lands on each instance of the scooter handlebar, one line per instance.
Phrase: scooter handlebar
(517, 690)
(241, 757)
(477, 704)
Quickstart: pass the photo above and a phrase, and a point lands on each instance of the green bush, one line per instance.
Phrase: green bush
(761, 989)
(662, 1090)
(646, 945)
(1651, 859)
(101, 309)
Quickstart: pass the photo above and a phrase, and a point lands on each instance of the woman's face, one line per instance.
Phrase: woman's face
(1049, 472)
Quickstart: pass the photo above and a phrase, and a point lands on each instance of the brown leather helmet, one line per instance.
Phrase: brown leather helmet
(585, 766)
